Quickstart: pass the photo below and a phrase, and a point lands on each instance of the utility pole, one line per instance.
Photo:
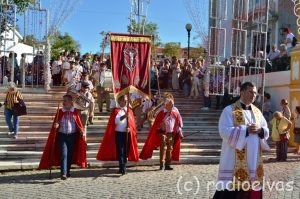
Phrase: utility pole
(139, 14)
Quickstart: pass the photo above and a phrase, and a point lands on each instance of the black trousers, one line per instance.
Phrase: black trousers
(225, 194)
(121, 138)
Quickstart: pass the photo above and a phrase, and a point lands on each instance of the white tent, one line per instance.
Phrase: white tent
(20, 48)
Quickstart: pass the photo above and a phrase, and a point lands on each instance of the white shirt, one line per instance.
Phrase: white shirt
(69, 75)
(56, 67)
(79, 69)
(273, 54)
(106, 79)
(78, 86)
(66, 65)
(289, 39)
(178, 127)
(169, 121)
(121, 125)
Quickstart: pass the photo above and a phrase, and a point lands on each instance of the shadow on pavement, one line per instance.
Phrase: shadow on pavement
(43, 176)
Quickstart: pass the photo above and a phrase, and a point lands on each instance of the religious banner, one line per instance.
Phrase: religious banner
(130, 60)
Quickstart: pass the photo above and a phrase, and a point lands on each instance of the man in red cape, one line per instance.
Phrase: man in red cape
(108, 150)
(155, 136)
(52, 152)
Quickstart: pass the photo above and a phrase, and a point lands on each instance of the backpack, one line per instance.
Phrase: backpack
(294, 42)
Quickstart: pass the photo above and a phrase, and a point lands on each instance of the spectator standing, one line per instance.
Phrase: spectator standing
(57, 71)
(289, 37)
(13, 95)
(175, 68)
(164, 74)
(280, 134)
(186, 78)
(286, 112)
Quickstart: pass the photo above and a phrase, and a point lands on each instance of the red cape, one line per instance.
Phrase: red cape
(153, 139)
(107, 150)
(51, 154)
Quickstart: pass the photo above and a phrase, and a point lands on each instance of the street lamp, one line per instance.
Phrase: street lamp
(188, 28)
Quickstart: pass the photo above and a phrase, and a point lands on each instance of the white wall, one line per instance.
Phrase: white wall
(277, 84)
(10, 40)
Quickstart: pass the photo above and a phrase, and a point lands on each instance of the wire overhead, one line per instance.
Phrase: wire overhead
(60, 11)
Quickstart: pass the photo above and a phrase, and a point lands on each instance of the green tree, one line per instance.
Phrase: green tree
(171, 49)
(30, 40)
(104, 42)
(60, 43)
(197, 52)
(22, 5)
(144, 28)
(148, 29)
(7, 16)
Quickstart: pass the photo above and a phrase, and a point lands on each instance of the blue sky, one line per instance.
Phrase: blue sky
(90, 17)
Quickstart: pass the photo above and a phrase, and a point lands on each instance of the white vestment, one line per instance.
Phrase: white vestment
(234, 137)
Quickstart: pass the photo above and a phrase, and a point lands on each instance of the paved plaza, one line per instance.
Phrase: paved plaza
(185, 181)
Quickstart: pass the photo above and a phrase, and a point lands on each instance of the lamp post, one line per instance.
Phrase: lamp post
(188, 28)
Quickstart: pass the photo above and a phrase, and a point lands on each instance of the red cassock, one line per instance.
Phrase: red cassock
(107, 150)
(51, 154)
(153, 139)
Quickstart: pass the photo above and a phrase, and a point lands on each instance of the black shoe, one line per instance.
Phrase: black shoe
(68, 175)
(162, 168)
(123, 171)
(63, 177)
(168, 168)
(91, 122)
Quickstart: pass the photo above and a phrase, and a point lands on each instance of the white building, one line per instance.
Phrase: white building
(10, 43)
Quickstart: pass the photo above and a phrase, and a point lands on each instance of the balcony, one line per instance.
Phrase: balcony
(277, 64)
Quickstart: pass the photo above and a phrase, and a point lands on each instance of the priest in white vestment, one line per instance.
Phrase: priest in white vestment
(244, 132)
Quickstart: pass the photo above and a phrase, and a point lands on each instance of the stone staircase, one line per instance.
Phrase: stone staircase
(201, 145)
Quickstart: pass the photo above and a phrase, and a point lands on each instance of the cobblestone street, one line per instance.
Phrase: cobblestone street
(185, 181)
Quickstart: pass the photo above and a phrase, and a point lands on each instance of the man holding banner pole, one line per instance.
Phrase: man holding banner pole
(119, 141)
(130, 61)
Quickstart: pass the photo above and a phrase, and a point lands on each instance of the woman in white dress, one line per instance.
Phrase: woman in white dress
(175, 67)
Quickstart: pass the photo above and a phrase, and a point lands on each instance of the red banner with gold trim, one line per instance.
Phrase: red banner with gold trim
(130, 60)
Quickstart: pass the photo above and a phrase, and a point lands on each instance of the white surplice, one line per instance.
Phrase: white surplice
(234, 137)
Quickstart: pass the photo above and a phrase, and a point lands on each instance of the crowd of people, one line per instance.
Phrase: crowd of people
(24, 71)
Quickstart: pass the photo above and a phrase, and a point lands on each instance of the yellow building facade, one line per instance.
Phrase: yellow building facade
(295, 83)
